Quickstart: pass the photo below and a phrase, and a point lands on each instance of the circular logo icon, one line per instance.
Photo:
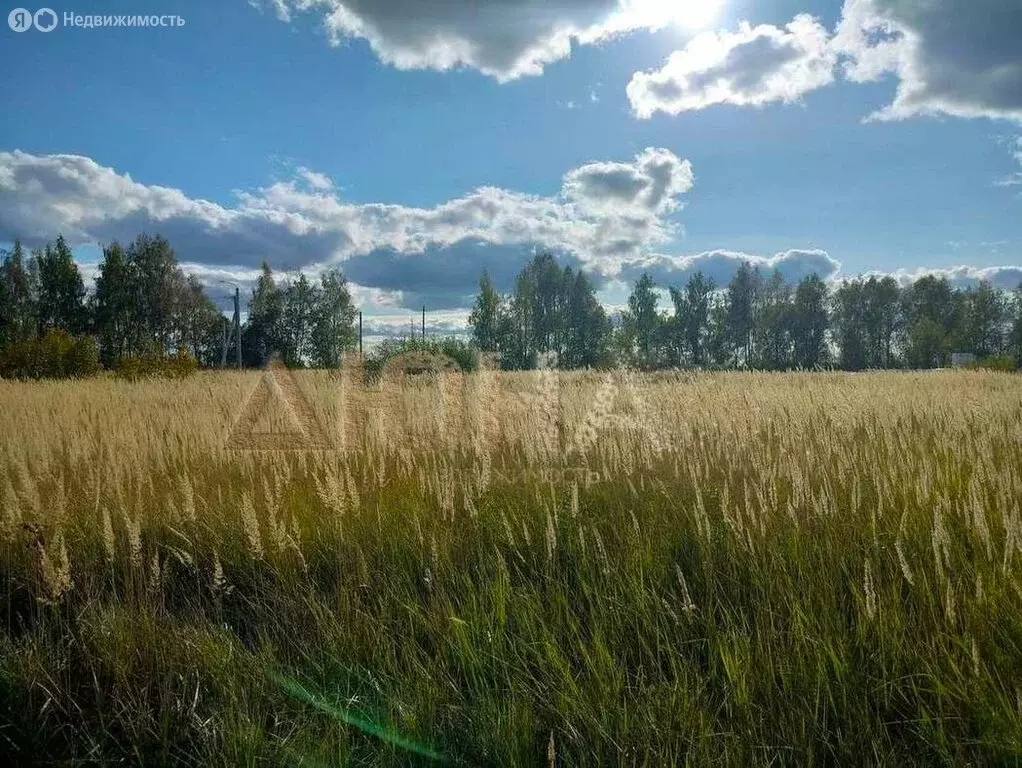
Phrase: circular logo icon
(20, 20)
(45, 20)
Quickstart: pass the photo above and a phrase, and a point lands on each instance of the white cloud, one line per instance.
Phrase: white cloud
(605, 214)
(751, 67)
(721, 265)
(950, 57)
(504, 39)
(319, 182)
(1015, 179)
(390, 324)
(213, 278)
(1005, 278)
(649, 185)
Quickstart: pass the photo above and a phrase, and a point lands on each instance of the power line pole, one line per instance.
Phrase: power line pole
(237, 321)
(423, 322)
(360, 333)
(223, 342)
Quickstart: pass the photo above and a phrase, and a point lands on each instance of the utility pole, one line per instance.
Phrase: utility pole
(423, 322)
(223, 342)
(237, 321)
(360, 334)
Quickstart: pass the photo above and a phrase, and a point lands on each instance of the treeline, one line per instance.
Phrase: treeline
(145, 313)
(755, 321)
(143, 306)
(551, 310)
(306, 323)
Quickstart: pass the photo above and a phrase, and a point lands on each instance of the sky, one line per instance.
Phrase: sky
(415, 143)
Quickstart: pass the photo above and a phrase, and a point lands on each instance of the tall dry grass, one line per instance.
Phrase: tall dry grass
(506, 569)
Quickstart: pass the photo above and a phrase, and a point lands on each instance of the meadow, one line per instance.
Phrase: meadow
(514, 569)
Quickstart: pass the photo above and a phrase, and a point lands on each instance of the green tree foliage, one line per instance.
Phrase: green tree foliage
(114, 306)
(933, 322)
(1015, 334)
(550, 310)
(55, 355)
(17, 296)
(848, 325)
(774, 324)
(463, 355)
(334, 314)
(695, 316)
(766, 324)
(718, 348)
(987, 321)
(144, 305)
(808, 323)
(742, 295)
(485, 319)
(306, 323)
(586, 327)
(198, 324)
(868, 317)
(262, 335)
(61, 291)
(642, 322)
(548, 303)
(298, 309)
(156, 285)
(882, 320)
(152, 366)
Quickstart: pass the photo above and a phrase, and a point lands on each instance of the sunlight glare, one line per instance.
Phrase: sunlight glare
(689, 14)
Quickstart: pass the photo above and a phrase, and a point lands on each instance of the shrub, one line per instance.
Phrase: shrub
(181, 364)
(177, 366)
(1003, 363)
(462, 353)
(57, 355)
(83, 357)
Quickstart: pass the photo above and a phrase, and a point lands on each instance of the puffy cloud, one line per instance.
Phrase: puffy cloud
(41, 196)
(505, 39)
(605, 214)
(390, 325)
(1005, 278)
(441, 278)
(721, 265)
(751, 67)
(650, 185)
(950, 57)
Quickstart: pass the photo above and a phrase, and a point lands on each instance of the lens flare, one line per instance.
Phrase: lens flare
(689, 14)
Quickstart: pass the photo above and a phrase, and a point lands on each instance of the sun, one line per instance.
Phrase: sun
(689, 14)
(696, 14)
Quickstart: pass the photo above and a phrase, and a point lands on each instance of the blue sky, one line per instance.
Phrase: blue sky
(318, 132)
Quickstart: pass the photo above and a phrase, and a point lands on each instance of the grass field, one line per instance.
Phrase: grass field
(515, 569)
